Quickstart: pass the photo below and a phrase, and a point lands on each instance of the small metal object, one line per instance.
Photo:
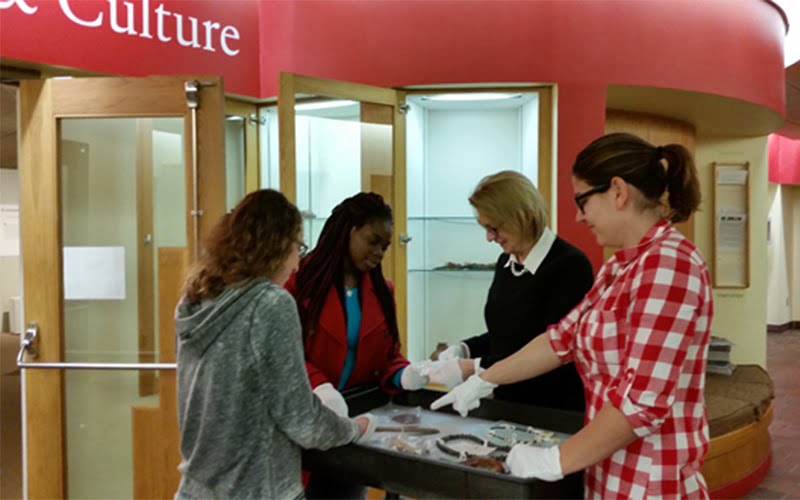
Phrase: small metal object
(403, 108)
(405, 239)
(499, 452)
(408, 429)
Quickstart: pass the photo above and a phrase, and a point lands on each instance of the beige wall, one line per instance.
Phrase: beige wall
(10, 265)
(739, 315)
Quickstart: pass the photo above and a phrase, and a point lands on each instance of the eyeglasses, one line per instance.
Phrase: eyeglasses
(582, 198)
(302, 249)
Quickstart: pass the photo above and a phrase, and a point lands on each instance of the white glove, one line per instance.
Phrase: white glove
(332, 398)
(415, 376)
(466, 396)
(447, 373)
(532, 461)
(455, 351)
(372, 424)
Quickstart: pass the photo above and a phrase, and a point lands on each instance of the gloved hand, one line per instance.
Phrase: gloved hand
(448, 373)
(532, 461)
(466, 396)
(415, 376)
(332, 398)
(455, 351)
(367, 422)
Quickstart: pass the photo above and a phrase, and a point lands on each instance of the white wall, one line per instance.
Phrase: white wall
(779, 257)
(739, 315)
(10, 265)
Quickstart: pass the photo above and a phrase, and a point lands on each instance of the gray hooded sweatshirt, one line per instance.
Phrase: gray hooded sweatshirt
(245, 406)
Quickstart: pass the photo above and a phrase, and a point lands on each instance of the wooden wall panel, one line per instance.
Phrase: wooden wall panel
(659, 131)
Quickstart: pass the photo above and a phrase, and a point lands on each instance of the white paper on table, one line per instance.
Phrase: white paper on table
(94, 273)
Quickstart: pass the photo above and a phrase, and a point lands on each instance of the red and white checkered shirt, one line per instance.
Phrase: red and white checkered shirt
(639, 340)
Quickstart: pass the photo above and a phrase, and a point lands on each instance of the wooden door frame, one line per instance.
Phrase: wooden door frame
(42, 104)
(289, 86)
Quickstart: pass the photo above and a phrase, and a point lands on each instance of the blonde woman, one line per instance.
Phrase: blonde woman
(538, 279)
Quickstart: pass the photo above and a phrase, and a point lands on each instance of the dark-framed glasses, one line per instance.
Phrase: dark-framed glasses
(582, 198)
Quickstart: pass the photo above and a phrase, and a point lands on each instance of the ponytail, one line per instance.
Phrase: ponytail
(683, 184)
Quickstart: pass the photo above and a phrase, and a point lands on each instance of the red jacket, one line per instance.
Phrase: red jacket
(378, 356)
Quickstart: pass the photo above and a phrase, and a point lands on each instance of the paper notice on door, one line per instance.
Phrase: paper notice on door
(94, 273)
(9, 230)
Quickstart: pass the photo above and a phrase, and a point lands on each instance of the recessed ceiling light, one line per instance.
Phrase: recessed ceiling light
(471, 96)
(323, 105)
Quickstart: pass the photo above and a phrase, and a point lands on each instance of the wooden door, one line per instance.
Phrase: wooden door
(375, 131)
(115, 193)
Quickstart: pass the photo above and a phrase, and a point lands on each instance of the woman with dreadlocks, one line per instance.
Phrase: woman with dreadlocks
(348, 314)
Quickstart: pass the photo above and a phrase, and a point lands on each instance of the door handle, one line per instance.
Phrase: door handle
(405, 239)
(28, 344)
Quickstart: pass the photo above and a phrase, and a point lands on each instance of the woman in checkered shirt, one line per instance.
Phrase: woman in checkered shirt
(639, 338)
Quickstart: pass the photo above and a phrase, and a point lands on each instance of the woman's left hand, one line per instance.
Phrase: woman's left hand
(533, 461)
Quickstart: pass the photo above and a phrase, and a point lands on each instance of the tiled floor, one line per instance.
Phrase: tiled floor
(783, 357)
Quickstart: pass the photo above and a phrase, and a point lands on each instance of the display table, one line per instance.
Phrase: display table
(409, 475)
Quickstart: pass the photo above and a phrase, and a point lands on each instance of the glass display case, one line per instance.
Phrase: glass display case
(452, 142)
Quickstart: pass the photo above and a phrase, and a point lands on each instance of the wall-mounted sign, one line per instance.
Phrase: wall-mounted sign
(144, 19)
(138, 37)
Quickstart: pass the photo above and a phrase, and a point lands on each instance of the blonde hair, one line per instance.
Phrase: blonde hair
(510, 199)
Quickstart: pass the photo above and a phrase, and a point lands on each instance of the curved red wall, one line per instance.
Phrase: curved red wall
(732, 48)
(784, 160)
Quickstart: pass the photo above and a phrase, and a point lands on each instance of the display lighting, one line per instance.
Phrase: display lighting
(323, 105)
(472, 96)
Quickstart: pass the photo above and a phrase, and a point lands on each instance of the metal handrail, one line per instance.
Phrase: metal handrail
(27, 344)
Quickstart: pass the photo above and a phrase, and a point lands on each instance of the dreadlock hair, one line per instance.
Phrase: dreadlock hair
(253, 241)
(322, 267)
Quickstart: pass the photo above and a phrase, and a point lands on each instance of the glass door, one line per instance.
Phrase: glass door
(335, 140)
(120, 178)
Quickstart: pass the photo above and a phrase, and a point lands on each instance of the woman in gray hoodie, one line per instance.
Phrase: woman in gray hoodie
(245, 407)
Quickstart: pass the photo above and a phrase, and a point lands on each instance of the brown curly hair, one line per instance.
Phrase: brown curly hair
(253, 240)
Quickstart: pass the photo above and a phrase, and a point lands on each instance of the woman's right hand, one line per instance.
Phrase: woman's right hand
(367, 423)
(332, 398)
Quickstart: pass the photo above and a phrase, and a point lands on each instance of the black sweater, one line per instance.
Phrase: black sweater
(520, 308)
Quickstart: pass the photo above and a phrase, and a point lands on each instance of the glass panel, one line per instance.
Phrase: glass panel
(328, 158)
(123, 196)
(451, 144)
(269, 162)
(235, 165)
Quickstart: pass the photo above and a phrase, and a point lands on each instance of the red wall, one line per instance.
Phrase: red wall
(784, 160)
(732, 48)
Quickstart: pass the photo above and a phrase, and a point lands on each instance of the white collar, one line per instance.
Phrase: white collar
(535, 256)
